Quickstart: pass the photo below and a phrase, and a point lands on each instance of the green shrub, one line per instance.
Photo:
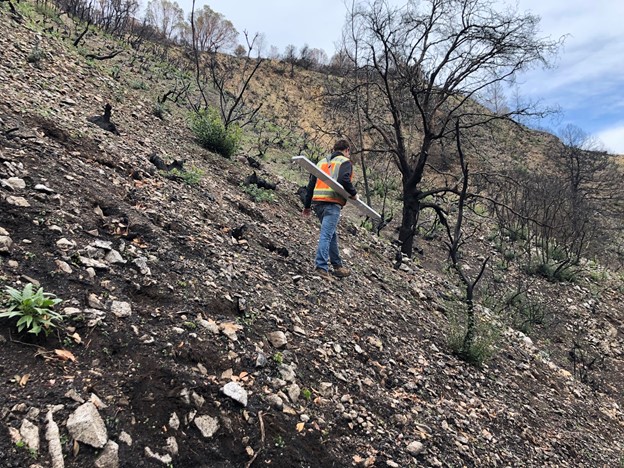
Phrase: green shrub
(258, 194)
(482, 347)
(552, 272)
(160, 109)
(139, 85)
(33, 309)
(191, 176)
(212, 134)
(115, 72)
(36, 55)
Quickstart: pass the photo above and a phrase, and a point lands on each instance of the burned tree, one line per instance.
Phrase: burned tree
(427, 62)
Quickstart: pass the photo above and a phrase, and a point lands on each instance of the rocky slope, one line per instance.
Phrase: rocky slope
(196, 334)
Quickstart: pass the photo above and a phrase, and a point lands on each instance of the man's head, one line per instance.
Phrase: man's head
(342, 146)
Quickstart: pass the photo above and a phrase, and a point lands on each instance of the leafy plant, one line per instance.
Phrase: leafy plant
(258, 194)
(33, 309)
(191, 176)
(279, 441)
(278, 358)
(481, 348)
(306, 393)
(36, 55)
(115, 72)
(212, 134)
(159, 109)
(139, 85)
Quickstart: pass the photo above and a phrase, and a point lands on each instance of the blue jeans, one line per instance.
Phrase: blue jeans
(327, 251)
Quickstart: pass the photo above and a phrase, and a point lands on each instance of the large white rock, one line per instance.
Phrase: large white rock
(114, 257)
(18, 201)
(86, 425)
(235, 392)
(121, 309)
(30, 435)
(14, 183)
(207, 425)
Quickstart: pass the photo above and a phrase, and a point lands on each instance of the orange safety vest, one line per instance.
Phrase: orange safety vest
(322, 191)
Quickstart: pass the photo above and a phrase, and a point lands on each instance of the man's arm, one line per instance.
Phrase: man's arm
(344, 178)
(309, 192)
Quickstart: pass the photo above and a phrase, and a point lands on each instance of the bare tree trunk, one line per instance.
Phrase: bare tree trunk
(411, 209)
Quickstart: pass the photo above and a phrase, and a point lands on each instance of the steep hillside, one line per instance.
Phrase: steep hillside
(197, 336)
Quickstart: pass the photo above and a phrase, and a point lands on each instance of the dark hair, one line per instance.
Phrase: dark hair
(341, 145)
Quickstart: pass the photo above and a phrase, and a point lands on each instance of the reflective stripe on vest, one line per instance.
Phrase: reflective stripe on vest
(322, 191)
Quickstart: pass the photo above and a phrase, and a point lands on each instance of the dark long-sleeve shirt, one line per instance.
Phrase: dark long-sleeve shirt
(344, 179)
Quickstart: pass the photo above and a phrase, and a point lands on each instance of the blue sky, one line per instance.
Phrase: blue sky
(587, 83)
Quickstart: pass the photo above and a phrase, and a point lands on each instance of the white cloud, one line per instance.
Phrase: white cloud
(613, 138)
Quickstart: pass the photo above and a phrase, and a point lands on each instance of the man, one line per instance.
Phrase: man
(327, 205)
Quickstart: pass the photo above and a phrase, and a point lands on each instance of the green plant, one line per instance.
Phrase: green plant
(20, 444)
(481, 348)
(212, 134)
(191, 176)
(159, 109)
(190, 324)
(139, 85)
(33, 309)
(306, 393)
(115, 72)
(36, 54)
(279, 441)
(278, 358)
(258, 194)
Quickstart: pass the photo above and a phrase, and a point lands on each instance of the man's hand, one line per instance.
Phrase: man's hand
(354, 197)
(306, 212)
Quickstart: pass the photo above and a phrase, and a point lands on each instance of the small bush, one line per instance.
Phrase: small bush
(191, 176)
(139, 85)
(258, 194)
(115, 72)
(482, 348)
(212, 134)
(33, 309)
(160, 109)
(36, 55)
(552, 272)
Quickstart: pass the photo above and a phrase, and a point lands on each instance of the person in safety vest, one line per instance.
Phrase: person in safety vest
(327, 205)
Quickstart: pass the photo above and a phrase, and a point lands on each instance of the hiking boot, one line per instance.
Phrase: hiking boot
(341, 271)
(322, 273)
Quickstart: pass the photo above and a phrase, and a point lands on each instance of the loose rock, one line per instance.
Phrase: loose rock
(109, 458)
(30, 435)
(207, 425)
(121, 309)
(277, 339)
(86, 425)
(236, 392)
